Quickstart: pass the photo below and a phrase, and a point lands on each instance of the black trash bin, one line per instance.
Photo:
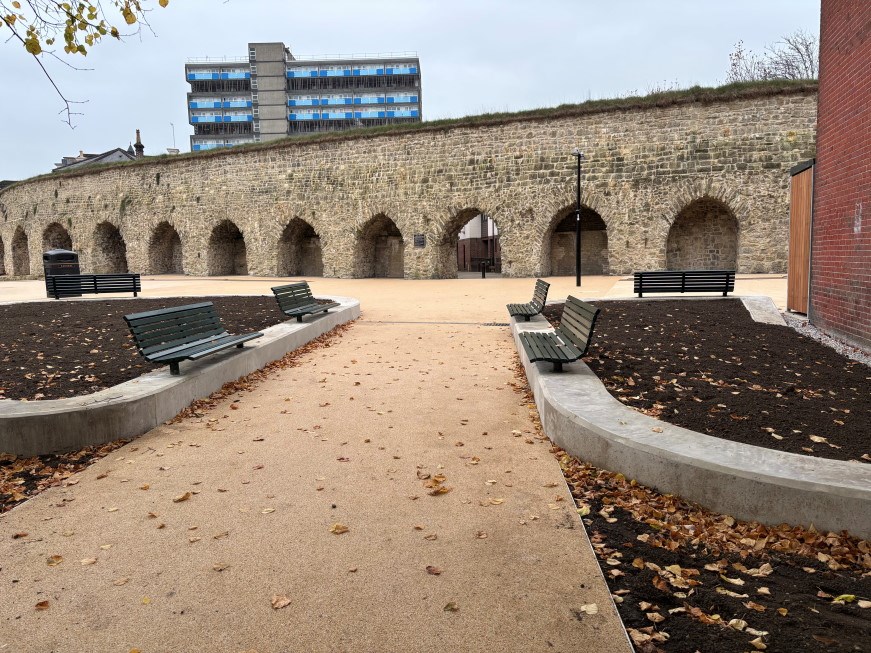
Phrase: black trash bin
(57, 262)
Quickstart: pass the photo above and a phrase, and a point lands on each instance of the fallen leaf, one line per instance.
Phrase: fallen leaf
(220, 566)
(758, 644)
(182, 497)
(733, 581)
(482, 535)
(754, 606)
(339, 529)
(864, 604)
(590, 608)
(18, 536)
(433, 571)
(782, 612)
(266, 511)
(144, 487)
(655, 617)
(441, 489)
(54, 561)
(42, 605)
(120, 581)
(844, 598)
(88, 561)
(280, 601)
(451, 607)
(145, 600)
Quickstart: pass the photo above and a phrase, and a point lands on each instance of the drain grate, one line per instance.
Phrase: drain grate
(499, 324)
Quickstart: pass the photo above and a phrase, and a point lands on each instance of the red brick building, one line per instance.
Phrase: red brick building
(840, 278)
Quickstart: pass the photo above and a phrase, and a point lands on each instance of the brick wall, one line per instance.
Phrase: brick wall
(840, 296)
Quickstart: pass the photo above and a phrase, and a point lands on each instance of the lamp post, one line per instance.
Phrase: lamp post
(579, 156)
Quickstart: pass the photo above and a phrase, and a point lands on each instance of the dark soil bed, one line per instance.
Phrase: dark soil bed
(707, 366)
(50, 350)
(688, 580)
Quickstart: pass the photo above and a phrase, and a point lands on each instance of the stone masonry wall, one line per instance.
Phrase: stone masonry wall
(643, 168)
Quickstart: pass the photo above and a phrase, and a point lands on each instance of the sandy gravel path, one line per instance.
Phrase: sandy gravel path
(351, 436)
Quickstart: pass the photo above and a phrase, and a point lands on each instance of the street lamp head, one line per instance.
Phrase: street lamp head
(576, 152)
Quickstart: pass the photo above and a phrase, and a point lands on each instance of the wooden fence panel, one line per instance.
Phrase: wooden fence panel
(800, 209)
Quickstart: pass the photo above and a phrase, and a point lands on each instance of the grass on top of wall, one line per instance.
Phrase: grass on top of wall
(693, 95)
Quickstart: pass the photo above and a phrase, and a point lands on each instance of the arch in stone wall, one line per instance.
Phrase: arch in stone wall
(227, 254)
(446, 244)
(559, 249)
(2, 257)
(703, 236)
(299, 250)
(55, 236)
(110, 251)
(165, 250)
(20, 253)
(379, 249)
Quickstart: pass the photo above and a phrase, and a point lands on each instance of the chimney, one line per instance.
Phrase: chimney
(138, 146)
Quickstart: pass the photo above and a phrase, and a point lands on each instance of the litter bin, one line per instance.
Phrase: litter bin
(56, 262)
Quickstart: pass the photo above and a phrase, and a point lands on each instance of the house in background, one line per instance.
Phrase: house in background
(133, 151)
(840, 250)
(478, 242)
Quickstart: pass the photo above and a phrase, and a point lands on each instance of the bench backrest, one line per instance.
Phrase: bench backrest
(166, 328)
(539, 296)
(293, 296)
(577, 322)
(66, 285)
(691, 280)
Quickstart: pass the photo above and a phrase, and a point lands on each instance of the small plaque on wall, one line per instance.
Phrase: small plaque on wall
(420, 240)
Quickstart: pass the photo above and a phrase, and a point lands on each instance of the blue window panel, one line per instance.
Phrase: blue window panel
(389, 71)
(381, 100)
(325, 101)
(412, 70)
(349, 114)
(356, 73)
(322, 73)
(358, 100)
(291, 103)
(205, 105)
(415, 113)
(237, 104)
(241, 75)
(414, 98)
(379, 71)
(291, 116)
(346, 72)
(348, 100)
(313, 73)
(381, 114)
(391, 114)
(390, 100)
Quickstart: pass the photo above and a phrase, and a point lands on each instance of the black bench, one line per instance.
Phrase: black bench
(170, 335)
(75, 285)
(539, 297)
(722, 281)
(295, 300)
(571, 339)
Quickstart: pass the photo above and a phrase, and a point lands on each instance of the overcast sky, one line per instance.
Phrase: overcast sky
(477, 56)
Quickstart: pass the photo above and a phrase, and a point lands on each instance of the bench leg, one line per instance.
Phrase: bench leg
(240, 345)
(557, 367)
(640, 295)
(135, 294)
(299, 318)
(173, 368)
(526, 318)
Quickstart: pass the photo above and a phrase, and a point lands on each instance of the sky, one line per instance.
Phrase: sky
(476, 56)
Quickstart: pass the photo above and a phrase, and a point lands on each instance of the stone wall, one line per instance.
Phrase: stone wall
(703, 237)
(643, 167)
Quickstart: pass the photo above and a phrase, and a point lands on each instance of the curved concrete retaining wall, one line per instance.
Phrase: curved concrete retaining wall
(748, 482)
(30, 428)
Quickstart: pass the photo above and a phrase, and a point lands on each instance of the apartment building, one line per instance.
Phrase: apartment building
(273, 94)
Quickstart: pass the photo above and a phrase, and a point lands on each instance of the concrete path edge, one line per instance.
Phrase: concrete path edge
(30, 428)
(752, 483)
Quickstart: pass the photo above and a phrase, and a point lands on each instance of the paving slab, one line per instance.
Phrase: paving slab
(346, 437)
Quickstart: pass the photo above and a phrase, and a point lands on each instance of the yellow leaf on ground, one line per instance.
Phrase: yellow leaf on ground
(339, 529)
(42, 605)
(88, 561)
(451, 607)
(182, 497)
(54, 561)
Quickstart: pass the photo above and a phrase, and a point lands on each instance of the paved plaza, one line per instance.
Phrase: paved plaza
(182, 539)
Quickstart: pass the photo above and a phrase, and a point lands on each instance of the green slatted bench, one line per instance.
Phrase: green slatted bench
(722, 281)
(296, 300)
(75, 285)
(539, 297)
(170, 335)
(571, 339)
